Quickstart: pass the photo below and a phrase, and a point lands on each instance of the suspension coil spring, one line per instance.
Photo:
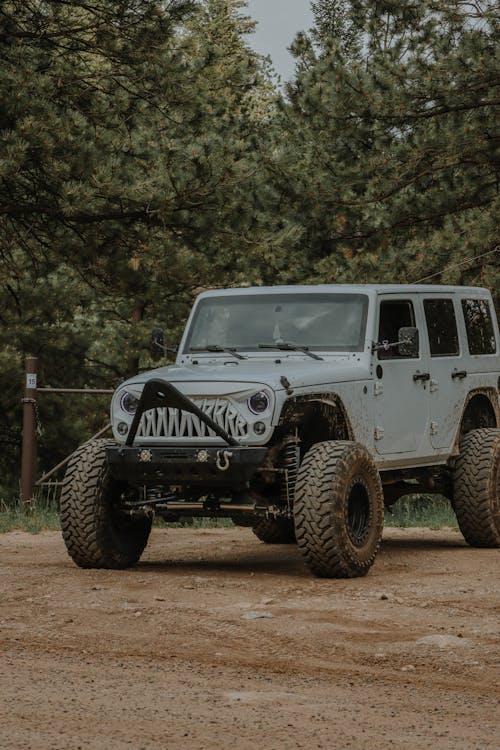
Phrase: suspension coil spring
(289, 460)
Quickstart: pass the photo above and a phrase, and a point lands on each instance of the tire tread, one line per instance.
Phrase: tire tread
(476, 487)
(83, 513)
(319, 509)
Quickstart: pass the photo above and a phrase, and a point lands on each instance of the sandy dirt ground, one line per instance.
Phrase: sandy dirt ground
(218, 641)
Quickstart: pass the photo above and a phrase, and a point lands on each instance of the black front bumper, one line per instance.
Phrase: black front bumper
(226, 467)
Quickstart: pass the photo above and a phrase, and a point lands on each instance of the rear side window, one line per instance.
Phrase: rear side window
(479, 326)
(441, 327)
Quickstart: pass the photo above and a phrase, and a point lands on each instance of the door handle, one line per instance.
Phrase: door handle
(461, 374)
(424, 376)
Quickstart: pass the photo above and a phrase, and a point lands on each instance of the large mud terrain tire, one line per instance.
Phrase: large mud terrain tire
(339, 509)
(476, 488)
(275, 531)
(96, 533)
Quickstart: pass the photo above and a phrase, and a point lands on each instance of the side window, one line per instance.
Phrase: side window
(394, 314)
(441, 327)
(479, 326)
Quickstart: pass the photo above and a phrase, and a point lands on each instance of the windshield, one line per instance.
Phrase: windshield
(329, 322)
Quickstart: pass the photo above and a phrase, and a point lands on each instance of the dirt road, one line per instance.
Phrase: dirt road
(218, 641)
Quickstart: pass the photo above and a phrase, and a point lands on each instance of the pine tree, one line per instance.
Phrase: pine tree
(129, 178)
(392, 151)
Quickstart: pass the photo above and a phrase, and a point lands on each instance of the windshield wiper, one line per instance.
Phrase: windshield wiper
(285, 347)
(217, 348)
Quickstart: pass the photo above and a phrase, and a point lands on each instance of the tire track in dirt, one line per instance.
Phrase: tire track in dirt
(219, 641)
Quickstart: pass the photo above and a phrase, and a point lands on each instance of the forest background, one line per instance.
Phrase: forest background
(147, 152)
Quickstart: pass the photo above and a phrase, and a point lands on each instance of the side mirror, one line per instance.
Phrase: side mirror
(408, 342)
(157, 348)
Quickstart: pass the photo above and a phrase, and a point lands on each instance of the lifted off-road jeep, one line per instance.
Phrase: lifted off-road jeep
(301, 412)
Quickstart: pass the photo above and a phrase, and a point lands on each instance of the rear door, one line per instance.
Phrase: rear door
(448, 385)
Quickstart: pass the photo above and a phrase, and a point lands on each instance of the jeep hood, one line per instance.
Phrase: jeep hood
(240, 375)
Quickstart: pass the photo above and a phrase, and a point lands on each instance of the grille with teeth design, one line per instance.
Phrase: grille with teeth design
(173, 423)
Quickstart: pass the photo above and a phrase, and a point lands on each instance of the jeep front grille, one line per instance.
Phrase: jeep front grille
(173, 423)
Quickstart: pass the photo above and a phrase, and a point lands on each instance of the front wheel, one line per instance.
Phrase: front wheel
(339, 509)
(96, 531)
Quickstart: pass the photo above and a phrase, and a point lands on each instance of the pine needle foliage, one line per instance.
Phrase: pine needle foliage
(390, 159)
(129, 179)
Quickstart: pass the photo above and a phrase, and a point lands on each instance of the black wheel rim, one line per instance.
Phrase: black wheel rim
(358, 511)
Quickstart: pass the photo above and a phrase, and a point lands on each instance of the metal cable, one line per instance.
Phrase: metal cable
(456, 265)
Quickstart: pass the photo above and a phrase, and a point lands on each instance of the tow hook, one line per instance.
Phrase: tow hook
(222, 461)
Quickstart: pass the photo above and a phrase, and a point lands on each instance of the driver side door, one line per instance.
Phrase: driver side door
(401, 389)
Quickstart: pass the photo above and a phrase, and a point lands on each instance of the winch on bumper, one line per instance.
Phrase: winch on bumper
(230, 467)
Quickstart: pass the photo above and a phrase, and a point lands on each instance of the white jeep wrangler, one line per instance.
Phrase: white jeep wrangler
(301, 411)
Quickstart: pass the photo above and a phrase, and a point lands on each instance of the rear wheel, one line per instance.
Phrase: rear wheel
(339, 509)
(476, 488)
(96, 531)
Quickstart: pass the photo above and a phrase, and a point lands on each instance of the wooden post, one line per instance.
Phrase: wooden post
(29, 445)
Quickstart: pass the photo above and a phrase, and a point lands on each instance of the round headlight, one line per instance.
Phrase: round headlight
(258, 403)
(128, 403)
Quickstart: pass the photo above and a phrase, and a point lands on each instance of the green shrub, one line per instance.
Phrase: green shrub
(432, 511)
(35, 518)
